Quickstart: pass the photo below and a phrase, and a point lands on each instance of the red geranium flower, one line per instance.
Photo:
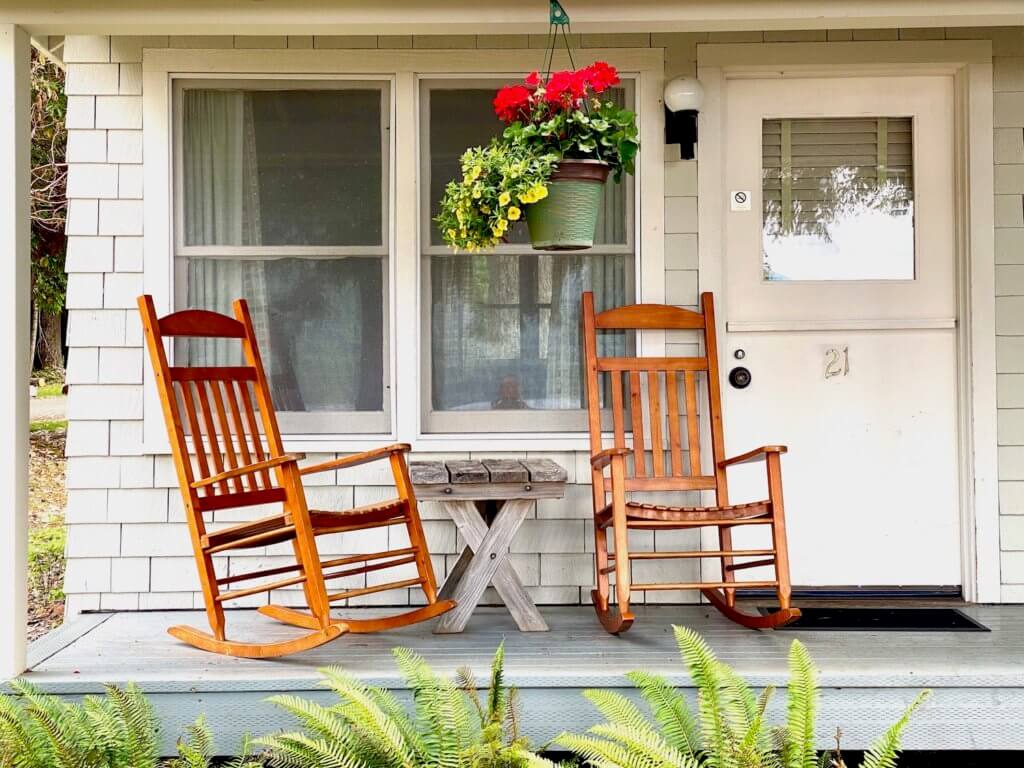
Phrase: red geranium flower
(512, 103)
(533, 79)
(566, 88)
(601, 76)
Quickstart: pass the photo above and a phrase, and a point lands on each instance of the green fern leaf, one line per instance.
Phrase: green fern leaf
(496, 690)
(802, 708)
(671, 711)
(705, 670)
(885, 751)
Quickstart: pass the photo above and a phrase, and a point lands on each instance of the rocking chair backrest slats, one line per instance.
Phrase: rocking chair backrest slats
(651, 397)
(222, 413)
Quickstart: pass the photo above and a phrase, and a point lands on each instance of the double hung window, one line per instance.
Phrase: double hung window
(282, 198)
(502, 329)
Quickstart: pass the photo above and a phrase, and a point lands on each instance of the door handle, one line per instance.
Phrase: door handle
(739, 377)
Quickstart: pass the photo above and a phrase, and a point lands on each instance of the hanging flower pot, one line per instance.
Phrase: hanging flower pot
(566, 219)
(562, 139)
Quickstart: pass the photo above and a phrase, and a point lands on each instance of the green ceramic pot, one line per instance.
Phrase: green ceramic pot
(566, 219)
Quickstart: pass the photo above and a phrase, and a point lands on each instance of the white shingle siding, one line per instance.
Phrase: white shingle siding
(1008, 143)
(128, 544)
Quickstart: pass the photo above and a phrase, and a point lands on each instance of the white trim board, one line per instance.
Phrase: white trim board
(883, 324)
(970, 62)
(402, 67)
(461, 17)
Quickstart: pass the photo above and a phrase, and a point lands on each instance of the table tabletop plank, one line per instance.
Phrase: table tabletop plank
(506, 470)
(545, 471)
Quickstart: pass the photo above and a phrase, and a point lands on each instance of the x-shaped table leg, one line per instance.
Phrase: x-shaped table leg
(485, 561)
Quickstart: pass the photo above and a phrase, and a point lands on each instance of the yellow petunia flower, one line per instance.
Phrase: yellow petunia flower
(539, 192)
(514, 213)
(504, 198)
(451, 234)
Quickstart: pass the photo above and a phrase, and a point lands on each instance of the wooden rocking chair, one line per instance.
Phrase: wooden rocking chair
(226, 409)
(629, 470)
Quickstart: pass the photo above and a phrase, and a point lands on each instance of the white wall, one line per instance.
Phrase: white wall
(128, 547)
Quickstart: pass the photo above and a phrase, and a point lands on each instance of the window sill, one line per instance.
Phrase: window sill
(499, 442)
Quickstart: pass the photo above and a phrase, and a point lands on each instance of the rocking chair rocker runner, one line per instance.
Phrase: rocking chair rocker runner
(630, 471)
(240, 462)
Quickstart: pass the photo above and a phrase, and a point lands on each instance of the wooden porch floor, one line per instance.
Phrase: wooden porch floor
(866, 678)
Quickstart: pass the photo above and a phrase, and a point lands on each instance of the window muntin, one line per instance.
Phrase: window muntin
(282, 197)
(838, 199)
(501, 330)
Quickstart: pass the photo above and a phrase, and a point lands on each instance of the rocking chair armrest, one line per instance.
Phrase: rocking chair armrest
(755, 455)
(604, 458)
(357, 458)
(249, 469)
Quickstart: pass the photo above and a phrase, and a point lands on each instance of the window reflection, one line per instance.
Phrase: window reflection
(838, 199)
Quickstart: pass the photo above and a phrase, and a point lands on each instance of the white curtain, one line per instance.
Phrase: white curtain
(319, 321)
(221, 207)
(605, 275)
(506, 329)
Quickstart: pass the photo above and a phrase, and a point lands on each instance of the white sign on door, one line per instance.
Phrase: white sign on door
(739, 200)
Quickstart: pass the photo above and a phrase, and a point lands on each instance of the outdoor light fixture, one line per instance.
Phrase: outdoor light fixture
(683, 99)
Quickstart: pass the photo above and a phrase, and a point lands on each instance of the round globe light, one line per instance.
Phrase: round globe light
(684, 93)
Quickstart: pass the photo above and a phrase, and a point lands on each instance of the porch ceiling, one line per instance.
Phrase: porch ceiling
(252, 17)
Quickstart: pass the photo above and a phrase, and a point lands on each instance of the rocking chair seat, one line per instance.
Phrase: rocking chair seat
(638, 510)
(272, 530)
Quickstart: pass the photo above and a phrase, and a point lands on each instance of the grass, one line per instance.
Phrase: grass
(47, 538)
(50, 390)
(44, 425)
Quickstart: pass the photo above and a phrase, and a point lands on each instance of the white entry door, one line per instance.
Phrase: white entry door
(839, 299)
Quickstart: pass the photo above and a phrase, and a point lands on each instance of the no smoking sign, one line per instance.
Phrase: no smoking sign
(739, 200)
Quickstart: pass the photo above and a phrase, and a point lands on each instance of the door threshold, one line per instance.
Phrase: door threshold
(944, 594)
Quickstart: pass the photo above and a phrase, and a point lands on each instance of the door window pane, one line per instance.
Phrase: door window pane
(838, 199)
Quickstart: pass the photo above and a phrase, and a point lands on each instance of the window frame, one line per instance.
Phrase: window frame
(464, 422)
(403, 68)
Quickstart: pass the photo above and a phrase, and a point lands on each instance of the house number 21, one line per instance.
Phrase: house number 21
(837, 362)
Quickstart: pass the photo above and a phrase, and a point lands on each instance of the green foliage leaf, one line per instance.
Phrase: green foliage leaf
(802, 709)
(730, 730)
(369, 728)
(885, 751)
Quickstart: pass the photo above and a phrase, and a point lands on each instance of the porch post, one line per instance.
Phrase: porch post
(14, 341)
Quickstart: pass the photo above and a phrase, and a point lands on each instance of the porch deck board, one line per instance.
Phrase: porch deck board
(866, 677)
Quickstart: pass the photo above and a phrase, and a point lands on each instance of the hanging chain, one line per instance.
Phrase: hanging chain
(558, 22)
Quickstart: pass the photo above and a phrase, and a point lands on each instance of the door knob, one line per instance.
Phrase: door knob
(739, 377)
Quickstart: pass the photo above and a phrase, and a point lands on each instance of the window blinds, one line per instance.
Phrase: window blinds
(816, 168)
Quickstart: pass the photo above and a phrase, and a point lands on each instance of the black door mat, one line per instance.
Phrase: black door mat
(883, 620)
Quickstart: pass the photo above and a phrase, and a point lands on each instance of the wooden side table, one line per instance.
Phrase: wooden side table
(463, 488)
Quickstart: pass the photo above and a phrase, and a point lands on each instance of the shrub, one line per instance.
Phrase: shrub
(118, 730)
(195, 749)
(451, 726)
(727, 731)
